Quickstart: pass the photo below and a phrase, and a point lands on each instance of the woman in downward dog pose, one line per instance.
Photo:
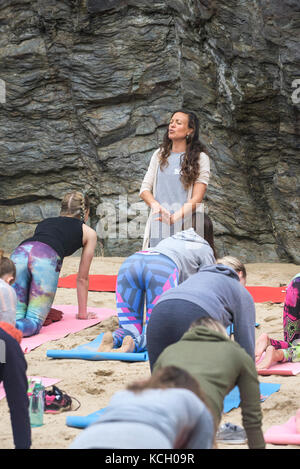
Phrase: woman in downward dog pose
(152, 272)
(38, 261)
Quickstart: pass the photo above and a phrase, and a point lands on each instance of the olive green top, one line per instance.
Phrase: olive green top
(219, 364)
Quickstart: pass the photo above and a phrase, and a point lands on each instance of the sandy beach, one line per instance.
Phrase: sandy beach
(93, 383)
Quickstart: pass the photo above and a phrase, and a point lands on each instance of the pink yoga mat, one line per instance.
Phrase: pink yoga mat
(68, 325)
(45, 381)
(283, 434)
(283, 369)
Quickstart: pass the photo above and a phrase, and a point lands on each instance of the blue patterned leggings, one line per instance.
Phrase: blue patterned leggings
(142, 274)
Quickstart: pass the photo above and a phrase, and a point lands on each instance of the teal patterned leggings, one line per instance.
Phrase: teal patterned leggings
(38, 267)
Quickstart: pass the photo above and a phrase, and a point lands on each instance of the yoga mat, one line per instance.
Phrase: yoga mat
(108, 283)
(68, 325)
(45, 381)
(85, 421)
(283, 369)
(261, 294)
(284, 434)
(96, 282)
(232, 400)
(89, 352)
(230, 329)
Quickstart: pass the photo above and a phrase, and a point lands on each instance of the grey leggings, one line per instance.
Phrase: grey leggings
(169, 320)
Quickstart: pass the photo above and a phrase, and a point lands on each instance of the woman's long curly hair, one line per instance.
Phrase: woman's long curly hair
(190, 160)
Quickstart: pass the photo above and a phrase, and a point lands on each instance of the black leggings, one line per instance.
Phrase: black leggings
(169, 320)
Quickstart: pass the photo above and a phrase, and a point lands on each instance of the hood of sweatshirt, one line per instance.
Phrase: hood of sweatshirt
(190, 235)
(220, 269)
(202, 333)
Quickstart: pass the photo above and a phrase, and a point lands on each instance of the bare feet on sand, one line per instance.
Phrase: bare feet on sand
(127, 345)
(107, 343)
(87, 316)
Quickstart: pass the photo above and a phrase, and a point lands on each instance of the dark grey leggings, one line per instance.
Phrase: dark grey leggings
(169, 320)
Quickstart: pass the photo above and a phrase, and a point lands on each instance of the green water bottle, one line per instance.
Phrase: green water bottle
(36, 405)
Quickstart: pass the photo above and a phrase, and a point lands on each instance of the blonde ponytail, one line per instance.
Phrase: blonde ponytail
(234, 263)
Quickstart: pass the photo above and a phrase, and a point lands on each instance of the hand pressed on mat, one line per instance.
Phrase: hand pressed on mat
(54, 315)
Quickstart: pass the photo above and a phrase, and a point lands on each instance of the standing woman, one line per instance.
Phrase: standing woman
(176, 179)
(38, 262)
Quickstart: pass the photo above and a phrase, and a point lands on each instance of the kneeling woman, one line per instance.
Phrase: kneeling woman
(38, 262)
(216, 291)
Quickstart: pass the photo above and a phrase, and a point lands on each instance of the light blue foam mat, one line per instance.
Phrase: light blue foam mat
(232, 400)
(89, 352)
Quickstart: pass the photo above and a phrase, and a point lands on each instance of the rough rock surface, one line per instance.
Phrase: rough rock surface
(90, 85)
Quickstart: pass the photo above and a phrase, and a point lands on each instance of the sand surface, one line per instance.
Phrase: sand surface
(93, 383)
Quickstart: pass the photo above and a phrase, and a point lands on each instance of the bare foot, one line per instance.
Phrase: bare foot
(127, 345)
(268, 359)
(88, 316)
(261, 345)
(107, 343)
(297, 418)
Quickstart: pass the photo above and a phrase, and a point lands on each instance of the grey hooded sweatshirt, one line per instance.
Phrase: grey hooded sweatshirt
(188, 250)
(217, 290)
(154, 418)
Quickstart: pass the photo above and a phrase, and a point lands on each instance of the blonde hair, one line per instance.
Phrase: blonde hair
(7, 267)
(234, 263)
(210, 324)
(75, 204)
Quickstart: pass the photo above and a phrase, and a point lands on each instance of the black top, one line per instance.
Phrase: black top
(63, 234)
(13, 374)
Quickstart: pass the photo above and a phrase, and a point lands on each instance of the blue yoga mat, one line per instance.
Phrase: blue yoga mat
(232, 400)
(89, 352)
(85, 421)
(230, 329)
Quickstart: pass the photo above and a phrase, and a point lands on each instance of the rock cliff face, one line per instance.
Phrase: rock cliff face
(90, 86)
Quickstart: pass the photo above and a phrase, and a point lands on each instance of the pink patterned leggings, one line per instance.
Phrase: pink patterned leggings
(142, 276)
(291, 315)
